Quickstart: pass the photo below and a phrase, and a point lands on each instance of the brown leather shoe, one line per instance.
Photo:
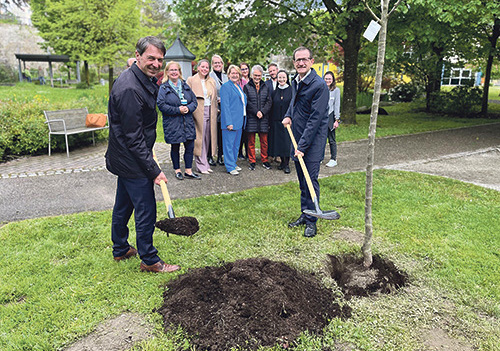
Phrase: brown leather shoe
(132, 251)
(159, 267)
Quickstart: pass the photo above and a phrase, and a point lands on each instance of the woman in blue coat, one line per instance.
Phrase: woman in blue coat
(233, 112)
(177, 103)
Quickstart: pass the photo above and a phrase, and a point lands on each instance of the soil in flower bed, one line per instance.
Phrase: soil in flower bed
(248, 303)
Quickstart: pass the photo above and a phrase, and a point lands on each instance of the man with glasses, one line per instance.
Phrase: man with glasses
(220, 78)
(308, 117)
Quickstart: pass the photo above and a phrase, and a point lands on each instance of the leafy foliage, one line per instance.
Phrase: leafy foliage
(22, 124)
(463, 101)
(99, 31)
(404, 92)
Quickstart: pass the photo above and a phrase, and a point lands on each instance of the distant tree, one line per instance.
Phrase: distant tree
(97, 31)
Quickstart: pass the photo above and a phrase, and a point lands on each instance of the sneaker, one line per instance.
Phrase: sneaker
(266, 165)
(252, 167)
(238, 168)
(234, 172)
(331, 163)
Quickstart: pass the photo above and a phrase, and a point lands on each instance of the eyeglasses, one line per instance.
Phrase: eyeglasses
(305, 59)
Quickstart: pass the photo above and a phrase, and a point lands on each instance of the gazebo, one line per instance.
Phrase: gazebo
(179, 53)
(44, 58)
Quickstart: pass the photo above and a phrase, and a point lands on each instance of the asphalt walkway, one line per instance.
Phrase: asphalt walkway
(32, 187)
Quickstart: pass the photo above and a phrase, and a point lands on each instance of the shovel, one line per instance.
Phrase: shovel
(330, 215)
(186, 226)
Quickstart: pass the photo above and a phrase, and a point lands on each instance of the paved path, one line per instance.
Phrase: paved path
(39, 186)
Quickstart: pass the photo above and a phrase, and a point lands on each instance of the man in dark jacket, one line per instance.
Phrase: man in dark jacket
(308, 117)
(132, 133)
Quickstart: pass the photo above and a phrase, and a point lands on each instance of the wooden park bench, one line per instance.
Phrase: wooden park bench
(68, 122)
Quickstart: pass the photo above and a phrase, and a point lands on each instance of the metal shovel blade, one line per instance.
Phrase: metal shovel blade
(330, 215)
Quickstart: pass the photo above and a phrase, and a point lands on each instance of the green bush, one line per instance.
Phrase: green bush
(406, 92)
(7, 74)
(463, 101)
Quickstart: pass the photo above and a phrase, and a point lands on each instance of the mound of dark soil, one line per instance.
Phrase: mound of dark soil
(382, 277)
(248, 303)
(180, 225)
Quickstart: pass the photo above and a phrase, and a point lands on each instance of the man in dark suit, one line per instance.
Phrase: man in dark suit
(132, 134)
(272, 83)
(308, 117)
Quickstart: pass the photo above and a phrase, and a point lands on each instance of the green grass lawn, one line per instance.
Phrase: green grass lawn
(59, 281)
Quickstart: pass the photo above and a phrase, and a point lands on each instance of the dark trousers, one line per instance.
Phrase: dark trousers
(333, 144)
(306, 202)
(188, 154)
(135, 194)
(243, 143)
(220, 147)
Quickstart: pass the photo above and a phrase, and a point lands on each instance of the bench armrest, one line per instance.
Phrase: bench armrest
(57, 121)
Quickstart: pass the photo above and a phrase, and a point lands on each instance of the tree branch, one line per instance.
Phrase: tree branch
(394, 7)
(371, 12)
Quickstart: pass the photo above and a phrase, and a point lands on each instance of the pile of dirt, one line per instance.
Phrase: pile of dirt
(382, 277)
(248, 303)
(186, 226)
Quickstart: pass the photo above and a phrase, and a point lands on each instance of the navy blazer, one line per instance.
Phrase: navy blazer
(231, 106)
(132, 125)
(177, 128)
(309, 113)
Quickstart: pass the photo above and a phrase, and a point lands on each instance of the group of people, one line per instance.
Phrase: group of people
(219, 115)
(208, 114)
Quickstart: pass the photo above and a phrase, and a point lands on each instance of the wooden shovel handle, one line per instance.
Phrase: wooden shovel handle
(303, 165)
(163, 186)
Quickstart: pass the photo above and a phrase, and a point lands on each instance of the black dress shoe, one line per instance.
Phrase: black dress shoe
(179, 176)
(192, 176)
(310, 230)
(286, 169)
(219, 161)
(280, 167)
(211, 162)
(300, 221)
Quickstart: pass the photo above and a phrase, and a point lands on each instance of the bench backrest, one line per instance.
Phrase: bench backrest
(74, 119)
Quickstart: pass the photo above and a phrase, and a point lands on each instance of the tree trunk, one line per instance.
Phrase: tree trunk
(366, 249)
(110, 78)
(434, 78)
(351, 47)
(487, 76)
(86, 72)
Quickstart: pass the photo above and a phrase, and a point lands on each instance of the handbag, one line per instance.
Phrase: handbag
(95, 120)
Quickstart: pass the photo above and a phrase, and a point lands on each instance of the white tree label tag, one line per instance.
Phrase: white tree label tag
(372, 30)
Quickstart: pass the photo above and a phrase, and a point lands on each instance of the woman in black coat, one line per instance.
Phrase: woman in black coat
(177, 103)
(258, 110)
(279, 140)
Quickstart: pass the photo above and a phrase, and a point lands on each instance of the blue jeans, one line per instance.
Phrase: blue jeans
(306, 202)
(135, 194)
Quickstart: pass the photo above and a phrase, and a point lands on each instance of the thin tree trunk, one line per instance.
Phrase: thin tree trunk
(86, 72)
(367, 243)
(110, 78)
(487, 76)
